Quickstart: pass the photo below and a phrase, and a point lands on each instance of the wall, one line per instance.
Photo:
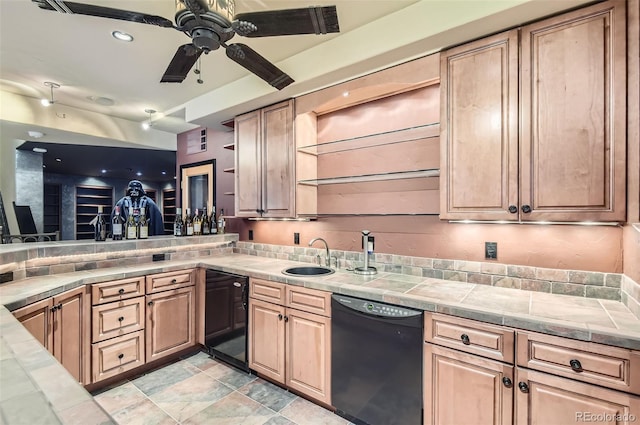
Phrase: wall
(29, 187)
(216, 139)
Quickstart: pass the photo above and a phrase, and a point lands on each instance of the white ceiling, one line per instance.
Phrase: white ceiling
(79, 53)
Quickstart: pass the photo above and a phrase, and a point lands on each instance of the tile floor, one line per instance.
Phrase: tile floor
(200, 390)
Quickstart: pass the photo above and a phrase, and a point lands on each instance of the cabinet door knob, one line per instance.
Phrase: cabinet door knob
(507, 382)
(465, 339)
(54, 308)
(174, 281)
(120, 356)
(513, 209)
(575, 365)
(286, 318)
(121, 291)
(523, 387)
(120, 319)
(526, 209)
(279, 316)
(150, 303)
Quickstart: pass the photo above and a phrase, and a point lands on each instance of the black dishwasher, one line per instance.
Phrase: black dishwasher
(225, 323)
(376, 362)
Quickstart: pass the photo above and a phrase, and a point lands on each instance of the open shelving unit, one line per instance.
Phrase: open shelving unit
(168, 209)
(52, 208)
(88, 199)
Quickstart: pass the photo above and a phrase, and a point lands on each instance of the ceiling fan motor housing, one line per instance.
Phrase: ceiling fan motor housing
(205, 39)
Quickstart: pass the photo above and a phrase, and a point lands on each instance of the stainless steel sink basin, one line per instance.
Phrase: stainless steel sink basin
(308, 271)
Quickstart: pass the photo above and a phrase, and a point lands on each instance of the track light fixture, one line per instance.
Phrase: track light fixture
(46, 102)
(148, 124)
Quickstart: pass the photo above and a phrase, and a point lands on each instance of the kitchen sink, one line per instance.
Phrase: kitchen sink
(308, 271)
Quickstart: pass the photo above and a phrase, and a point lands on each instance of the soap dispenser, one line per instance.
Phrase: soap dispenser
(367, 246)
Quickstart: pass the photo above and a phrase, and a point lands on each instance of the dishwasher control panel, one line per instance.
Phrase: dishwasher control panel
(376, 308)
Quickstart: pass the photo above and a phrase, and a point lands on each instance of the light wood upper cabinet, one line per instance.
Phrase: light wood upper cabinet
(61, 325)
(565, 160)
(479, 129)
(264, 162)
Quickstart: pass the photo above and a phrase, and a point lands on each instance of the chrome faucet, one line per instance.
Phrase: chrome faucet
(327, 260)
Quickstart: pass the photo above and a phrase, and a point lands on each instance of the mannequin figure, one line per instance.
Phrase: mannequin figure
(137, 198)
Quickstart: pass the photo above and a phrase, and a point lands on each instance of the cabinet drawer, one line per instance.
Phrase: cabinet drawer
(169, 280)
(117, 318)
(117, 355)
(265, 290)
(491, 341)
(611, 367)
(117, 290)
(311, 300)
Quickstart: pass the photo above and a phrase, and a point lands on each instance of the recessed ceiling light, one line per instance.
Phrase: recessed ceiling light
(40, 150)
(164, 173)
(58, 160)
(122, 36)
(101, 100)
(103, 171)
(138, 173)
(35, 134)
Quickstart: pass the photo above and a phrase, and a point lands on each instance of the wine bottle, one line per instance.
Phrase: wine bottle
(206, 227)
(143, 225)
(197, 224)
(100, 228)
(132, 229)
(188, 222)
(177, 223)
(221, 221)
(213, 221)
(116, 225)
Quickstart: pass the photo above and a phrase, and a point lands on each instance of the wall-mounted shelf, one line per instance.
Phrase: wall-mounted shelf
(404, 135)
(230, 146)
(374, 177)
(229, 193)
(229, 170)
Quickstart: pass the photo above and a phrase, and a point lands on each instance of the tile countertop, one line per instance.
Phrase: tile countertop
(603, 321)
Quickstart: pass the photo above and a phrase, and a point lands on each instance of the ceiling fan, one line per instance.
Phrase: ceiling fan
(211, 23)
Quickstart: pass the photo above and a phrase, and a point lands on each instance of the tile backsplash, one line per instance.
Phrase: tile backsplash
(609, 286)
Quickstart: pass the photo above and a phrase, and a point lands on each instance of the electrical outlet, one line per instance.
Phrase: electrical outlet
(296, 238)
(491, 250)
(250, 234)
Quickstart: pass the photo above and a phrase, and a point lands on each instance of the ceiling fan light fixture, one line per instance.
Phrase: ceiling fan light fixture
(122, 36)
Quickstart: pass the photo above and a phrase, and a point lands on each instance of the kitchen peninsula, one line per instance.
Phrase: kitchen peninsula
(607, 322)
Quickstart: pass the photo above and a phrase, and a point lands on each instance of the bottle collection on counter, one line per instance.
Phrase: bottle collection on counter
(198, 223)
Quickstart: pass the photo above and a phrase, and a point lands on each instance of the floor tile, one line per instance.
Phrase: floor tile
(160, 379)
(120, 397)
(201, 360)
(230, 376)
(279, 420)
(268, 394)
(144, 413)
(190, 396)
(235, 409)
(302, 412)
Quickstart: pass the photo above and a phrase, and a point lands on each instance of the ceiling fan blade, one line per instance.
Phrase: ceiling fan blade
(103, 12)
(309, 20)
(254, 62)
(184, 59)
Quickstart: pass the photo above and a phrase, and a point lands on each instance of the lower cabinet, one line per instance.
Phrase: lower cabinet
(477, 373)
(171, 320)
(61, 325)
(289, 345)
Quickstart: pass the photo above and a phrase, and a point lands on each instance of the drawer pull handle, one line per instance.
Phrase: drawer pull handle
(523, 387)
(507, 382)
(121, 291)
(279, 316)
(465, 339)
(575, 365)
(120, 356)
(174, 281)
(120, 319)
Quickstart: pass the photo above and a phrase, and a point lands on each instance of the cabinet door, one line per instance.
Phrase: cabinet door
(71, 332)
(574, 115)
(36, 319)
(266, 339)
(549, 400)
(248, 164)
(461, 388)
(308, 351)
(170, 323)
(479, 134)
(278, 182)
